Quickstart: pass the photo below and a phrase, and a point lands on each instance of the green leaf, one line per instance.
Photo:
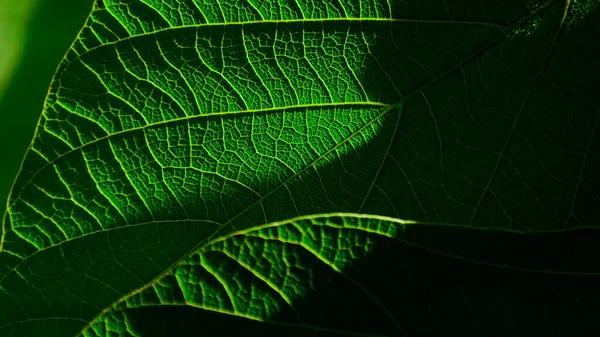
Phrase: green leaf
(243, 167)
(41, 33)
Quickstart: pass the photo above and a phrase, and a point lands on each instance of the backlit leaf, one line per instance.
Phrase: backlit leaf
(243, 168)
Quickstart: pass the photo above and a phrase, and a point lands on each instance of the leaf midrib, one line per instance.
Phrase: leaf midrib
(487, 45)
(505, 31)
(402, 101)
(492, 42)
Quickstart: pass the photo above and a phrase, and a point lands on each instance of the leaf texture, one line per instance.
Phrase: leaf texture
(232, 158)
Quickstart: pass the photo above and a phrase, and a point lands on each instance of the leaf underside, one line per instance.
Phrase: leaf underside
(243, 168)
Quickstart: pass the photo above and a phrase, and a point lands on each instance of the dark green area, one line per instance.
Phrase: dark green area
(496, 138)
(426, 294)
(52, 29)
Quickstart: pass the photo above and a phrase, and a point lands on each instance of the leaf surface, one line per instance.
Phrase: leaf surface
(238, 156)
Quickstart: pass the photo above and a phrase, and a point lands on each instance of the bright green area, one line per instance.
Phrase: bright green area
(242, 167)
(14, 17)
(35, 36)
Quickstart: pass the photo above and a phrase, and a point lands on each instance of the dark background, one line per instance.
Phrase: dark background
(428, 293)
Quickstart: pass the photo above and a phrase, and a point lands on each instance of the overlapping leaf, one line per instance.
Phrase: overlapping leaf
(183, 142)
